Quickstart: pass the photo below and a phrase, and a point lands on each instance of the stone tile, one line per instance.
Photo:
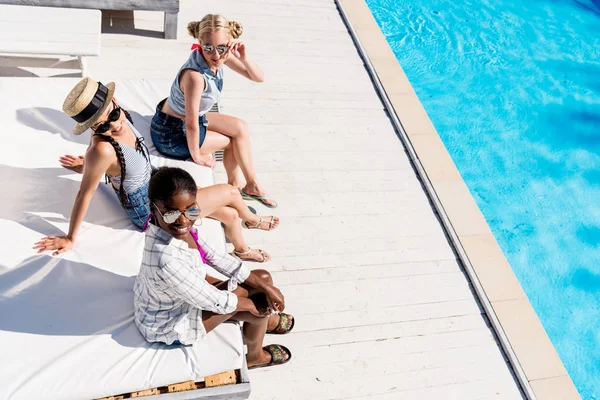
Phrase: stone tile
(359, 15)
(375, 44)
(529, 340)
(461, 209)
(492, 268)
(392, 76)
(435, 158)
(556, 388)
(412, 115)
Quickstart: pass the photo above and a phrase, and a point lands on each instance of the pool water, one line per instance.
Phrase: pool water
(513, 89)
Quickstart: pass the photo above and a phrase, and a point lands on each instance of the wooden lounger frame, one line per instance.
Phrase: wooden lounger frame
(231, 377)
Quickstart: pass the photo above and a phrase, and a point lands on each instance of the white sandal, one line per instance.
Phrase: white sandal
(250, 250)
(257, 225)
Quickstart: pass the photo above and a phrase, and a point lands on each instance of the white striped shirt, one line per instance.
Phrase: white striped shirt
(171, 290)
(137, 166)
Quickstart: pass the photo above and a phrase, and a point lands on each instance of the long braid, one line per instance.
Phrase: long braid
(127, 115)
(121, 157)
(139, 146)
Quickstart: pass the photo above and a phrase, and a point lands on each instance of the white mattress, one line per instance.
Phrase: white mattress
(66, 326)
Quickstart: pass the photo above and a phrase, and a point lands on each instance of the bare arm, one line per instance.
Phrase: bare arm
(192, 85)
(242, 64)
(97, 161)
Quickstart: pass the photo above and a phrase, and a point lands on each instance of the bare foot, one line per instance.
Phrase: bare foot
(274, 321)
(239, 185)
(250, 254)
(265, 358)
(267, 223)
(73, 163)
(256, 190)
(206, 161)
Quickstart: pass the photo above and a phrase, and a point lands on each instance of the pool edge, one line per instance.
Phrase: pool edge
(528, 348)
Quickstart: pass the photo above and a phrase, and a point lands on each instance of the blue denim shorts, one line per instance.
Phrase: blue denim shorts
(168, 134)
(138, 205)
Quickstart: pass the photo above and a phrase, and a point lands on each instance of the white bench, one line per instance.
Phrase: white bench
(50, 31)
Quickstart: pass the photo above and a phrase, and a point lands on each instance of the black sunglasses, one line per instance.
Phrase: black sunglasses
(113, 116)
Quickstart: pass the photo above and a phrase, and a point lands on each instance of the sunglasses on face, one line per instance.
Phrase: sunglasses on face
(221, 49)
(113, 116)
(171, 216)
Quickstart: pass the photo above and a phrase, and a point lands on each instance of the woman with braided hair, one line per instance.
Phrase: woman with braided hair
(117, 151)
(184, 128)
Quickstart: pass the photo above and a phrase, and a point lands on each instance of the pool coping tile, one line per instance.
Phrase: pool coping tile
(555, 388)
(493, 270)
(534, 351)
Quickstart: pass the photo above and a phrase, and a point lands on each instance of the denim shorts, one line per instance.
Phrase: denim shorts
(168, 134)
(138, 206)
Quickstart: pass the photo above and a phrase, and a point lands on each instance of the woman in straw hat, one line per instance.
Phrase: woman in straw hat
(117, 151)
(184, 128)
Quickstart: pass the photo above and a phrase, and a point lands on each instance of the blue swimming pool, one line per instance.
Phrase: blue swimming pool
(513, 88)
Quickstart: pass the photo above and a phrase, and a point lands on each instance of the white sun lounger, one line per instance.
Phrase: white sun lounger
(49, 31)
(67, 329)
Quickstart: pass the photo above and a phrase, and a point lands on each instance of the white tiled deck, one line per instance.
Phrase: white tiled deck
(383, 309)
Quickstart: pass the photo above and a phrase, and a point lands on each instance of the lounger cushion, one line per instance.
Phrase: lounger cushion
(67, 328)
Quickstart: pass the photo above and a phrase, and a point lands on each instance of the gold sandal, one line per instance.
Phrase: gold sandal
(262, 220)
(250, 250)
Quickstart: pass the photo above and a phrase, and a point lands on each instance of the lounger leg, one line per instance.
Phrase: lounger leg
(83, 63)
(170, 25)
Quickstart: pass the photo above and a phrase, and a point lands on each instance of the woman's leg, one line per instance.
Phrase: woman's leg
(234, 173)
(237, 131)
(254, 333)
(215, 141)
(254, 329)
(233, 231)
(214, 197)
(247, 291)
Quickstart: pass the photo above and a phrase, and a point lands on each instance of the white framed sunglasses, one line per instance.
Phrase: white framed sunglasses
(171, 216)
(221, 48)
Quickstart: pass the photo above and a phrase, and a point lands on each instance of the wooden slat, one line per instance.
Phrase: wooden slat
(150, 5)
(55, 31)
(147, 392)
(180, 387)
(224, 378)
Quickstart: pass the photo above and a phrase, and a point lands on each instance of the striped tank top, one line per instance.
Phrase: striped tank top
(212, 89)
(137, 167)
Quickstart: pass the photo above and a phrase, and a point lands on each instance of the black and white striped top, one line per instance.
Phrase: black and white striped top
(137, 167)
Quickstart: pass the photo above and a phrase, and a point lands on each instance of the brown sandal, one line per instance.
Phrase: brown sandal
(278, 353)
(284, 326)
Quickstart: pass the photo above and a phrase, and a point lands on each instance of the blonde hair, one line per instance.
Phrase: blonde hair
(214, 22)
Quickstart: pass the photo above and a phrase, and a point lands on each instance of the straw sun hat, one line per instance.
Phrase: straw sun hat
(86, 102)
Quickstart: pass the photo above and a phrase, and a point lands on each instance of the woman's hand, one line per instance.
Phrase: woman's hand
(275, 298)
(58, 243)
(237, 48)
(205, 161)
(254, 305)
(73, 163)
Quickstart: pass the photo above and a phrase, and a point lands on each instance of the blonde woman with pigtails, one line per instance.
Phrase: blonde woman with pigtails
(184, 128)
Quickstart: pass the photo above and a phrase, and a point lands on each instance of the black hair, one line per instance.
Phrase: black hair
(139, 146)
(168, 181)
